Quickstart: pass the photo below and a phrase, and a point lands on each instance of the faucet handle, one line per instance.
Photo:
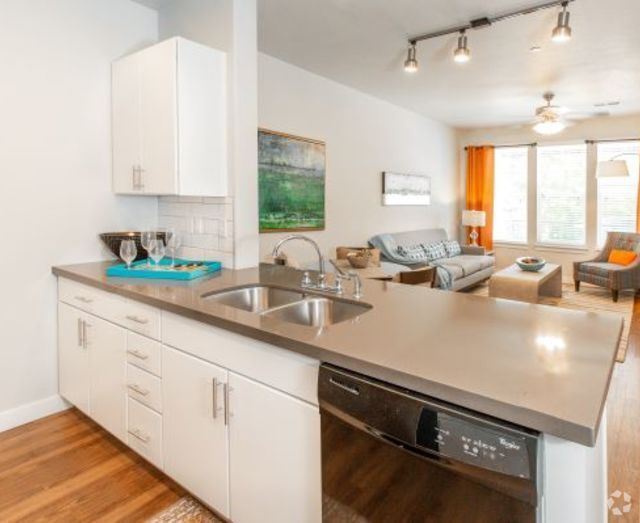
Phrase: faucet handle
(306, 279)
(322, 280)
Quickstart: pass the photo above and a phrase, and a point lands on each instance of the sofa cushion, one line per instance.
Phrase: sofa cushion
(435, 251)
(466, 264)
(600, 268)
(412, 252)
(452, 247)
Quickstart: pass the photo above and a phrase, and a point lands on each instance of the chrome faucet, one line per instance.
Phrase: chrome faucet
(306, 281)
(351, 275)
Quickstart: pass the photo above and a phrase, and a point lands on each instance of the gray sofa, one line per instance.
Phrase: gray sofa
(467, 269)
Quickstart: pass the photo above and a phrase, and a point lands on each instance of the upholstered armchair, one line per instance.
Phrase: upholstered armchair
(611, 275)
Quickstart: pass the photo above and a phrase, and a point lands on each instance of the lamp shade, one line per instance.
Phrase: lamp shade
(612, 169)
(474, 218)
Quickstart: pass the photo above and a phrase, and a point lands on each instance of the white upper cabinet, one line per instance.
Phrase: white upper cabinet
(169, 121)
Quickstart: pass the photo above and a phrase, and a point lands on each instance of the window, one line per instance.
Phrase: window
(618, 197)
(562, 188)
(510, 194)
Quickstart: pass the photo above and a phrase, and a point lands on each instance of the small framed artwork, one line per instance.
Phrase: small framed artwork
(405, 189)
(291, 182)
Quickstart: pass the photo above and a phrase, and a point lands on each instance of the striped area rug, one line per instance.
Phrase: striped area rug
(185, 510)
(590, 298)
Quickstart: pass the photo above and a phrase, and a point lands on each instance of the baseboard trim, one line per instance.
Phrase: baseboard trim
(17, 416)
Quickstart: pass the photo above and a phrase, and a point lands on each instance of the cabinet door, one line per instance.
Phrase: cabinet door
(107, 374)
(196, 451)
(73, 359)
(125, 121)
(158, 118)
(275, 465)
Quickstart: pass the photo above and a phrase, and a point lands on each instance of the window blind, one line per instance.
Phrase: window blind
(510, 194)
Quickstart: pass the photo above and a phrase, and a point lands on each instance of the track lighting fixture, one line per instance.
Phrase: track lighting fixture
(462, 53)
(411, 64)
(562, 31)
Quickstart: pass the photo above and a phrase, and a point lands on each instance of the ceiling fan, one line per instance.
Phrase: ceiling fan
(552, 119)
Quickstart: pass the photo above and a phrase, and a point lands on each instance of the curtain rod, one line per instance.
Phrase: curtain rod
(506, 146)
(613, 140)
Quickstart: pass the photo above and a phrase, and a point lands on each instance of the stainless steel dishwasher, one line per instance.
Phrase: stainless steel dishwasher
(390, 455)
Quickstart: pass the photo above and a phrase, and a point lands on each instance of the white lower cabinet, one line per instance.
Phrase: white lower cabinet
(196, 445)
(73, 357)
(107, 344)
(274, 441)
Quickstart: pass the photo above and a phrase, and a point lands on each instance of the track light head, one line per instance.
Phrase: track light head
(562, 30)
(462, 53)
(411, 64)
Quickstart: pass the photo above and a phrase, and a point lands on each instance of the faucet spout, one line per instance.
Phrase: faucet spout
(291, 237)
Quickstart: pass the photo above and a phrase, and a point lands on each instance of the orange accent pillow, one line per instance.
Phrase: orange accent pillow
(622, 257)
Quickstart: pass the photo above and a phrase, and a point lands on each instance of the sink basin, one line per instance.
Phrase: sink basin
(257, 298)
(317, 311)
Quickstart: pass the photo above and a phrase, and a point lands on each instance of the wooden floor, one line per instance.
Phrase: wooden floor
(66, 469)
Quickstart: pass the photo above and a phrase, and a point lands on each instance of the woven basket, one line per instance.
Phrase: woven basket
(113, 239)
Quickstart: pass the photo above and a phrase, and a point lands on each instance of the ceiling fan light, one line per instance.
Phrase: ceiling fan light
(462, 53)
(562, 31)
(549, 127)
(411, 64)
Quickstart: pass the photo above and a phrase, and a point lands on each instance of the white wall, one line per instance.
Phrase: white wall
(601, 128)
(230, 25)
(364, 136)
(55, 152)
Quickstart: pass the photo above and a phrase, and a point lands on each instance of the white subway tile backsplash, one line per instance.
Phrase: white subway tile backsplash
(206, 225)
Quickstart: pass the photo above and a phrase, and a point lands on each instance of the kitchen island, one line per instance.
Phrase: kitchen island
(542, 368)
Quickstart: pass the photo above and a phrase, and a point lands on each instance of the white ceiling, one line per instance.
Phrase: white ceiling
(362, 43)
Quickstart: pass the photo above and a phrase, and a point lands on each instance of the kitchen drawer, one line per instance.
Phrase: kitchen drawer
(145, 432)
(144, 353)
(144, 387)
(140, 318)
(88, 298)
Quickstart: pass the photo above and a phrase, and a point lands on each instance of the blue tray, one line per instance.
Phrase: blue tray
(139, 269)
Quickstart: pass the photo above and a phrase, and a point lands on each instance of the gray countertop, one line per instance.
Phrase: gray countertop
(542, 367)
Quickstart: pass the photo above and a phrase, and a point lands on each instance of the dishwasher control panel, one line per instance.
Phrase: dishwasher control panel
(473, 443)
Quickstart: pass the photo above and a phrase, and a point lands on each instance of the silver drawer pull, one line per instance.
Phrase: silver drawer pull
(83, 299)
(138, 354)
(138, 389)
(140, 435)
(135, 319)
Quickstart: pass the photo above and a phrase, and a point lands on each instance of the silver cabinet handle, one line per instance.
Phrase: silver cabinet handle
(214, 397)
(85, 338)
(137, 388)
(135, 319)
(83, 299)
(138, 434)
(227, 389)
(80, 331)
(136, 353)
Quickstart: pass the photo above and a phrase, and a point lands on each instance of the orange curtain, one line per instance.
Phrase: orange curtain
(480, 167)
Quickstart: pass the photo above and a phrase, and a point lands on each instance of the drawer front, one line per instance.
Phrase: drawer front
(144, 387)
(279, 368)
(88, 298)
(140, 318)
(144, 432)
(144, 353)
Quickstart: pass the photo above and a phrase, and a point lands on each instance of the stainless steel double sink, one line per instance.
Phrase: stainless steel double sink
(289, 305)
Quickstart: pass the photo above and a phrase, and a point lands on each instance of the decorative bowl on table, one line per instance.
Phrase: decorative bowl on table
(112, 241)
(359, 260)
(531, 263)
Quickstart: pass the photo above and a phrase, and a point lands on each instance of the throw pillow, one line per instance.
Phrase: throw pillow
(412, 252)
(453, 248)
(435, 251)
(622, 257)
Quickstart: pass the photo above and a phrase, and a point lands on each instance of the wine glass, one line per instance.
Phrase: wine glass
(174, 241)
(157, 251)
(145, 239)
(128, 251)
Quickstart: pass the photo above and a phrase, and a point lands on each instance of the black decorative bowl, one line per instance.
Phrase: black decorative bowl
(112, 241)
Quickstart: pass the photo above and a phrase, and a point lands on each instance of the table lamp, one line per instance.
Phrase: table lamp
(474, 219)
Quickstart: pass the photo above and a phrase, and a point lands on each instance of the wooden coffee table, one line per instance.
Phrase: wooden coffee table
(515, 284)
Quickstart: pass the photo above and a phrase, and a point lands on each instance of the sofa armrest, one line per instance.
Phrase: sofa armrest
(475, 251)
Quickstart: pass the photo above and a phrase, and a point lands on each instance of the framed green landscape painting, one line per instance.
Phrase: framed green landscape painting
(291, 179)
